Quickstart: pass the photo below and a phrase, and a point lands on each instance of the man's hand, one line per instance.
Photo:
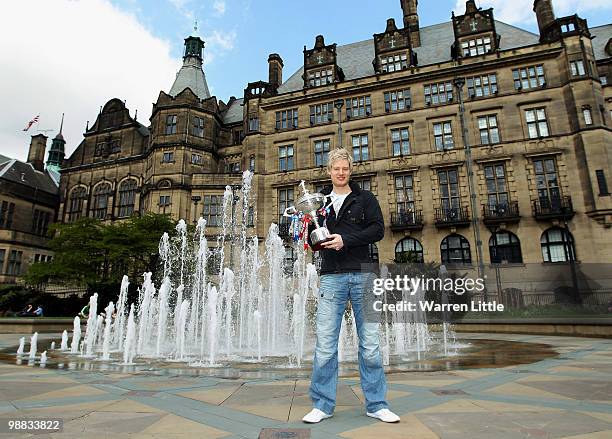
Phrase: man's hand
(334, 244)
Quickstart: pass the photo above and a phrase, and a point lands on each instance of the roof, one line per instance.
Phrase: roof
(25, 174)
(356, 59)
(191, 76)
(602, 35)
(234, 112)
(4, 159)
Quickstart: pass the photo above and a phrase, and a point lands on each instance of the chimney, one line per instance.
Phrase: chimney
(411, 21)
(36, 154)
(275, 70)
(544, 14)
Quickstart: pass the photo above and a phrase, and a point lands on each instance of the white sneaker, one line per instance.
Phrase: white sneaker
(315, 416)
(384, 415)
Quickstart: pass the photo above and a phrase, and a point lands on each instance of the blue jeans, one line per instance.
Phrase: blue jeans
(334, 292)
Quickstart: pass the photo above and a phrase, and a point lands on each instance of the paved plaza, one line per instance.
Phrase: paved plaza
(569, 396)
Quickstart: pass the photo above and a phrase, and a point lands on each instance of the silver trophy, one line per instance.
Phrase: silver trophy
(308, 205)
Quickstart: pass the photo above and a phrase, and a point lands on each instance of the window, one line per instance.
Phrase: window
(455, 249)
(168, 157)
(212, 210)
(547, 182)
(489, 132)
(497, 190)
(393, 63)
(404, 193)
(360, 147)
(528, 77)
(567, 27)
(197, 127)
(477, 46)
(238, 135)
(409, 250)
(40, 222)
(285, 199)
(479, 86)
(287, 119)
(536, 123)
(196, 159)
(285, 158)
(373, 253)
(252, 163)
(251, 217)
(603, 80)
(601, 182)
(358, 107)
(290, 258)
(164, 200)
(400, 141)
(443, 135)
(7, 211)
(438, 93)
(321, 113)
(557, 245)
(321, 152)
(14, 263)
(127, 197)
(171, 124)
(577, 68)
(232, 167)
(449, 189)
(2, 257)
(100, 200)
(397, 100)
(364, 183)
(320, 77)
(75, 206)
(253, 123)
(318, 187)
(505, 247)
(588, 119)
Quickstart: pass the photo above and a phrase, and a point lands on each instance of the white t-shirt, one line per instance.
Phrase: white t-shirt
(337, 201)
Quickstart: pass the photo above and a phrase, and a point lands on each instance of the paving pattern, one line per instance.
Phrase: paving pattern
(569, 396)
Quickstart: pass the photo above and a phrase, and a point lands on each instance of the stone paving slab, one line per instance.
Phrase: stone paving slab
(567, 397)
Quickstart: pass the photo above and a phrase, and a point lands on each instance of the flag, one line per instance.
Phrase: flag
(32, 122)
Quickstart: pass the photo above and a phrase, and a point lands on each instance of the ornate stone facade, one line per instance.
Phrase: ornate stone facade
(535, 111)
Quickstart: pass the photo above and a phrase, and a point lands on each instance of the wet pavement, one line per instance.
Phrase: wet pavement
(508, 386)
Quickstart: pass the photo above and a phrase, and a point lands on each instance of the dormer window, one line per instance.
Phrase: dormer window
(393, 62)
(568, 27)
(476, 46)
(317, 78)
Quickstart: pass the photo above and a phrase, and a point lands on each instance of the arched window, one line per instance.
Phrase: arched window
(75, 203)
(557, 245)
(409, 250)
(127, 197)
(100, 200)
(455, 249)
(505, 247)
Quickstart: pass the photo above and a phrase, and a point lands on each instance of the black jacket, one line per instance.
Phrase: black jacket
(360, 223)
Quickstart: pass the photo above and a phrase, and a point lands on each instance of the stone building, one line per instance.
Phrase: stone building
(418, 107)
(29, 198)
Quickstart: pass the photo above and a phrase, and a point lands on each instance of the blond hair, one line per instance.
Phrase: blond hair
(339, 154)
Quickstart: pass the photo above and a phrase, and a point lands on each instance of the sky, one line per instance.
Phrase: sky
(72, 56)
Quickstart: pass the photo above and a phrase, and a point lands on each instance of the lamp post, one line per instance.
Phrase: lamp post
(459, 82)
(339, 103)
(196, 199)
(235, 199)
(570, 252)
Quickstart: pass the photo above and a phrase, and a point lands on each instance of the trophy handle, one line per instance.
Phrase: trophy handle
(290, 211)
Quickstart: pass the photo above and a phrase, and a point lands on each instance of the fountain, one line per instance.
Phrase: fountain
(33, 341)
(261, 313)
(21, 346)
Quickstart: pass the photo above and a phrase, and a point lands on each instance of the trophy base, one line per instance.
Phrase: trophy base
(318, 237)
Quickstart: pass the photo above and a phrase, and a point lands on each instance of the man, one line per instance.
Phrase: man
(355, 221)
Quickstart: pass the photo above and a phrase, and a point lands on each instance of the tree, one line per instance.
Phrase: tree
(89, 252)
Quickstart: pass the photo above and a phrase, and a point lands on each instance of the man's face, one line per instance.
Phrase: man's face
(340, 173)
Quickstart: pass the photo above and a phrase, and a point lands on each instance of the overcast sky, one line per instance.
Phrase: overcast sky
(73, 56)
